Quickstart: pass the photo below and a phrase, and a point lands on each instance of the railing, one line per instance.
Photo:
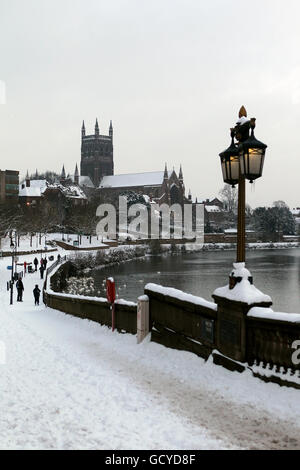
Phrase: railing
(182, 321)
(49, 270)
(270, 343)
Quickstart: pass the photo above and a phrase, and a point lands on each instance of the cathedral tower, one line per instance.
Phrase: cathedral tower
(97, 158)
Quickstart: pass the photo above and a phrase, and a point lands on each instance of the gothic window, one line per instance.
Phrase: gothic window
(175, 195)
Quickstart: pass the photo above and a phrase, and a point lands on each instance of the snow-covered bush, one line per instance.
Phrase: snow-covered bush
(80, 286)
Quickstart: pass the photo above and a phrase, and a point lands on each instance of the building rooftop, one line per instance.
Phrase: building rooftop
(152, 178)
(36, 188)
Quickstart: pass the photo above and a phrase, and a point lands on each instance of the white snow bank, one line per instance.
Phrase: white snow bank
(180, 295)
(268, 313)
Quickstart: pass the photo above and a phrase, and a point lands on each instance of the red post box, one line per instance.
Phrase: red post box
(110, 290)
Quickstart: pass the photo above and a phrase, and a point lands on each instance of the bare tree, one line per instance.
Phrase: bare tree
(229, 197)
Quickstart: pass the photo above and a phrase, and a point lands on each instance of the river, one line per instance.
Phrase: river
(275, 272)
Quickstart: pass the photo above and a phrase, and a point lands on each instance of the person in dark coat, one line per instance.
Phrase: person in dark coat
(42, 271)
(20, 289)
(35, 262)
(45, 263)
(36, 294)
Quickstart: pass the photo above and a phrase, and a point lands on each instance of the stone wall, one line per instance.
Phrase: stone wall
(97, 310)
(224, 329)
(182, 324)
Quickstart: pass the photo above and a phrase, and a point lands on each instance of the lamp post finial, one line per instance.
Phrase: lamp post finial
(242, 112)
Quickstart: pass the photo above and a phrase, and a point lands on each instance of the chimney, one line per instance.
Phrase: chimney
(27, 180)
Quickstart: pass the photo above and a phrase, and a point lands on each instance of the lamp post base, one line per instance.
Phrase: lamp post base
(238, 274)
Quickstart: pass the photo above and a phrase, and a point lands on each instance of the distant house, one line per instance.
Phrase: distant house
(213, 202)
(31, 191)
(215, 216)
(34, 193)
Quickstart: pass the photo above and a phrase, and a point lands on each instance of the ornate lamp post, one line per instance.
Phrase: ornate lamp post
(244, 159)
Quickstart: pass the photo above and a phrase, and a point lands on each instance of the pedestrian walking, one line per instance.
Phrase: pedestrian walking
(20, 289)
(35, 262)
(25, 267)
(45, 263)
(42, 271)
(36, 294)
(58, 257)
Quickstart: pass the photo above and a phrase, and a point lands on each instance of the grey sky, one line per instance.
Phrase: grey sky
(171, 75)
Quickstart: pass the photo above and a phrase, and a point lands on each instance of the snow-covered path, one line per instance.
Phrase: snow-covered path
(70, 383)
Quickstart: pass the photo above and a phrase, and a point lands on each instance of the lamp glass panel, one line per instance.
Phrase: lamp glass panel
(255, 160)
(223, 165)
(233, 168)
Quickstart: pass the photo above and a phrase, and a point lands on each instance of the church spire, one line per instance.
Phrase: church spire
(166, 175)
(63, 175)
(76, 175)
(96, 127)
(83, 129)
(27, 180)
(180, 177)
(111, 131)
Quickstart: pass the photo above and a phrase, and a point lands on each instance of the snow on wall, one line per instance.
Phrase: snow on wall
(180, 295)
(269, 314)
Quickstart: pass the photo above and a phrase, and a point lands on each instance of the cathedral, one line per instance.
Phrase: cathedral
(97, 165)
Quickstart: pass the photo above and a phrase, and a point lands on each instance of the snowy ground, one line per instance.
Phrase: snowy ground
(69, 383)
(37, 243)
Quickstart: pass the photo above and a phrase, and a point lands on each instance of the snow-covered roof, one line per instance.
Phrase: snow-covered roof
(84, 181)
(208, 200)
(36, 188)
(212, 209)
(152, 178)
(73, 192)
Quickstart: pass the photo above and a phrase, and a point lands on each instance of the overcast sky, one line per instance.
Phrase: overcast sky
(171, 74)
